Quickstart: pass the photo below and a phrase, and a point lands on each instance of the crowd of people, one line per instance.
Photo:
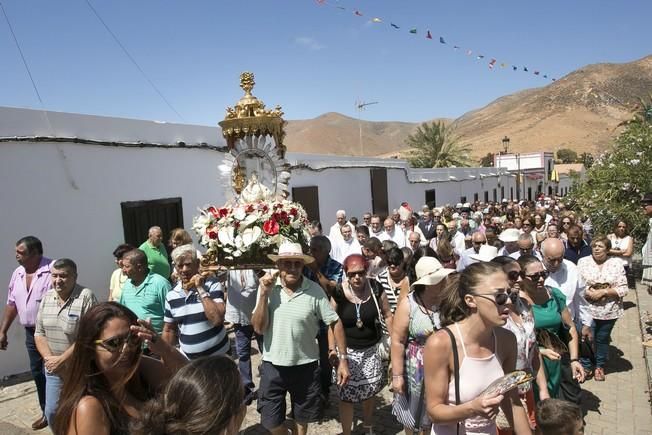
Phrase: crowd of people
(435, 304)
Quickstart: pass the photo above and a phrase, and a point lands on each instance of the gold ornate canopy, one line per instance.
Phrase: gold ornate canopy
(250, 118)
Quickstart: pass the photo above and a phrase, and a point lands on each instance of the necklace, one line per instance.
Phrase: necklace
(358, 304)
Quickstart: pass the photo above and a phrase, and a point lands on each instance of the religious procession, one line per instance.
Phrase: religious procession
(482, 318)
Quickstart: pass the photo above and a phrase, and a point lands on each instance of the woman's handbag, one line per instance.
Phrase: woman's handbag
(456, 371)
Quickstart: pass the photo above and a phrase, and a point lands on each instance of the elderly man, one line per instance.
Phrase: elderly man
(552, 232)
(366, 219)
(346, 245)
(525, 247)
(414, 240)
(194, 309)
(335, 233)
(28, 284)
(376, 229)
(362, 234)
(314, 228)
(56, 326)
(427, 226)
(477, 239)
(563, 274)
(393, 233)
(157, 256)
(576, 247)
(509, 237)
(287, 315)
(456, 237)
(144, 291)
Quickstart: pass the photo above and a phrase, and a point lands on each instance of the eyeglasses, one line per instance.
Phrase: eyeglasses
(513, 275)
(498, 298)
(118, 344)
(537, 276)
(355, 273)
(565, 222)
(394, 265)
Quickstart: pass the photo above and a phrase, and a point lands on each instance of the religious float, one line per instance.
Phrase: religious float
(257, 216)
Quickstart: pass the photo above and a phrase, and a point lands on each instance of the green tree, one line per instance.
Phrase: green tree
(587, 159)
(487, 161)
(566, 155)
(613, 186)
(436, 146)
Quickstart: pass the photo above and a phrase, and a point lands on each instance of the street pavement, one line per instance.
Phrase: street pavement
(618, 406)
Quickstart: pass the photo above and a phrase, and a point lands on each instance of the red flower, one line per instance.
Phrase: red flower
(212, 235)
(213, 211)
(294, 211)
(271, 227)
(223, 212)
(236, 224)
(284, 218)
(249, 208)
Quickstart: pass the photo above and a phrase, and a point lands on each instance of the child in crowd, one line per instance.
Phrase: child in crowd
(557, 417)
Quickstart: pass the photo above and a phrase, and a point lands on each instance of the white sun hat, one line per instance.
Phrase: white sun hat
(509, 235)
(486, 253)
(429, 271)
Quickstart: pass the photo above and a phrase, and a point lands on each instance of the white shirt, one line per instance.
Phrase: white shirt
(516, 255)
(465, 261)
(397, 237)
(342, 249)
(422, 238)
(568, 280)
(458, 242)
(379, 235)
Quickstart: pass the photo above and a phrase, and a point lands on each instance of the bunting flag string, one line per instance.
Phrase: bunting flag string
(428, 35)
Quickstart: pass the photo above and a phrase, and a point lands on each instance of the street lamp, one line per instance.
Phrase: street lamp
(506, 144)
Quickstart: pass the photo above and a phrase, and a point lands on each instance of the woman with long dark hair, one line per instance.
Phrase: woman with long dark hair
(475, 310)
(204, 397)
(107, 379)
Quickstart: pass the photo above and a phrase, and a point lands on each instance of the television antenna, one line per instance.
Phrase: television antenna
(359, 107)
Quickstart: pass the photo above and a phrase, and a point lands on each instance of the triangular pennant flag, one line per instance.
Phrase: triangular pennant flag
(441, 40)
(524, 68)
(554, 80)
(514, 67)
(376, 20)
(480, 56)
(428, 35)
(455, 47)
(536, 73)
(394, 25)
(357, 12)
(413, 31)
(492, 63)
(502, 65)
(545, 76)
(341, 8)
(469, 52)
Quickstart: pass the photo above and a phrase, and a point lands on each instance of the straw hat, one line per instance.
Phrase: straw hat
(486, 253)
(430, 271)
(291, 251)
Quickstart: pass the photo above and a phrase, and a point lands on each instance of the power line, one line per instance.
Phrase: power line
(126, 52)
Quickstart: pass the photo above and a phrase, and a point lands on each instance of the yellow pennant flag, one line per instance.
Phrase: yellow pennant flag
(376, 20)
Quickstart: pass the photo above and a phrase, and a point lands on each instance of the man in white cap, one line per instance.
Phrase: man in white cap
(510, 238)
(287, 314)
(478, 240)
(525, 247)
(486, 254)
(335, 232)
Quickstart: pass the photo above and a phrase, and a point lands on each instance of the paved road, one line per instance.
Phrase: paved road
(619, 406)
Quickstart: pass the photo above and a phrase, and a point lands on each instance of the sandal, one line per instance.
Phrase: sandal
(599, 374)
(588, 374)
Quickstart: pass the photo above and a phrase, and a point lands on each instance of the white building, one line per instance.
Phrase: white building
(83, 184)
(535, 173)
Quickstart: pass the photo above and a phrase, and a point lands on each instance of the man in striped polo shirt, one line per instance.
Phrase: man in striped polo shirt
(194, 309)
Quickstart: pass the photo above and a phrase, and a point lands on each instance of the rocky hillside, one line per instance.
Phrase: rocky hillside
(580, 111)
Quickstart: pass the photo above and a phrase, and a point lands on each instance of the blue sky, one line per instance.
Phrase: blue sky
(307, 57)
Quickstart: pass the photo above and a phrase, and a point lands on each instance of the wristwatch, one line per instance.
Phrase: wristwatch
(203, 294)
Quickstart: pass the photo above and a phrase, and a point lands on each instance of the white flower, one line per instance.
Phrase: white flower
(251, 235)
(248, 220)
(239, 213)
(634, 161)
(626, 186)
(225, 236)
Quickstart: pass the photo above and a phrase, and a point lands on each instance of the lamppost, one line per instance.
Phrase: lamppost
(518, 177)
(506, 144)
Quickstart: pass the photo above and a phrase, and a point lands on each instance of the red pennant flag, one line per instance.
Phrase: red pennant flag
(428, 35)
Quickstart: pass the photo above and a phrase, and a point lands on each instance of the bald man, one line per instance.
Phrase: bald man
(525, 247)
(563, 274)
(477, 240)
(335, 233)
(393, 232)
(457, 237)
(157, 256)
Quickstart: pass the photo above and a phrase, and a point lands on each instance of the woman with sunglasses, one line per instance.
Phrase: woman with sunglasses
(393, 278)
(606, 286)
(528, 359)
(553, 322)
(474, 309)
(567, 220)
(107, 379)
(417, 317)
(360, 302)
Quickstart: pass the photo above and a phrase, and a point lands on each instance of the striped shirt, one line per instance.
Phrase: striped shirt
(57, 321)
(197, 335)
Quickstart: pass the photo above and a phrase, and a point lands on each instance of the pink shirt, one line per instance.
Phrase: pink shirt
(27, 301)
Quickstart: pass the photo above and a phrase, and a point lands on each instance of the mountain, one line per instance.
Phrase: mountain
(580, 111)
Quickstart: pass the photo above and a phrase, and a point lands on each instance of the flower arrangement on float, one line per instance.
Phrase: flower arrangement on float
(242, 234)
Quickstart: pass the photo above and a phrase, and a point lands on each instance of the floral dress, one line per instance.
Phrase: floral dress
(411, 408)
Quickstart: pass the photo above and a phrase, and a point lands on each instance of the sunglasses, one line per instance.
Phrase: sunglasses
(513, 275)
(498, 298)
(120, 343)
(537, 276)
(565, 222)
(394, 265)
(355, 273)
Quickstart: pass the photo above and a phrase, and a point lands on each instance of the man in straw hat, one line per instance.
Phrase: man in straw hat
(287, 314)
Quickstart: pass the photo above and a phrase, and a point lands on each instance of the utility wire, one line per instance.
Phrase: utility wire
(124, 49)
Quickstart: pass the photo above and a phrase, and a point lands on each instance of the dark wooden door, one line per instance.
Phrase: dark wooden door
(379, 202)
(308, 197)
(139, 216)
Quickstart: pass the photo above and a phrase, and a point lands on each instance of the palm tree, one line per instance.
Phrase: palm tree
(436, 146)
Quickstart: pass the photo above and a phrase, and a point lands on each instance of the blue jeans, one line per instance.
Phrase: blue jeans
(53, 384)
(35, 365)
(602, 337)
(243, 336)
